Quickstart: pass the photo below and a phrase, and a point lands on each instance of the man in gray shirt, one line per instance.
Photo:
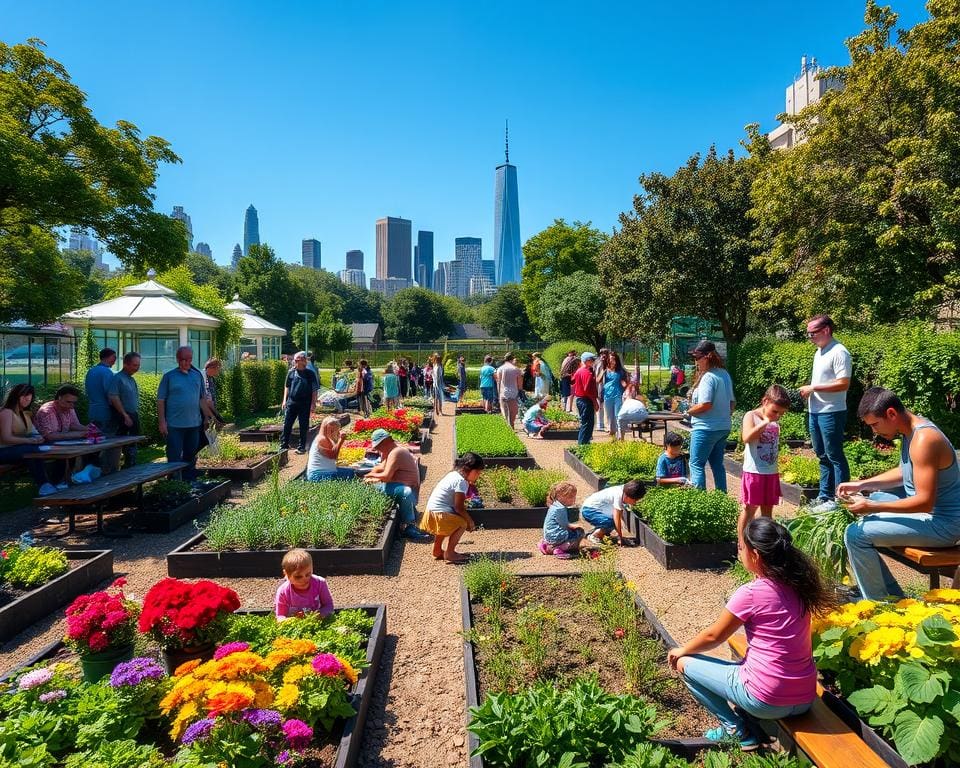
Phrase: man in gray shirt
(181, 406)
(125, 401)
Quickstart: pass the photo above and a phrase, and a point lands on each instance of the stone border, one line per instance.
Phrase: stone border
(793, 494)
(182, 562)
(169, 521)
(44, 600)
(696, 555)
(682, 747)
(591, 478)
(246, 474)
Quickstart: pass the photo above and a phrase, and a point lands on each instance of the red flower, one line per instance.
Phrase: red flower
(100, 620)
(179, 613)
(619, 633)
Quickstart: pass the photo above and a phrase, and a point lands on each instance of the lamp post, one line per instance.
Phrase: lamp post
(306, 330)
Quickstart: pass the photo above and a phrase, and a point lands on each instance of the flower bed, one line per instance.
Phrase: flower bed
(267, 690)
(897, 665)
(402, 424)
(603, 464)
(491, 437)
(23, 606)
(513, 498)
(568, 651)
(347, 526)
(168, 504)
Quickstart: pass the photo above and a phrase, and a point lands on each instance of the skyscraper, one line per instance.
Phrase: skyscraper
(182, 216)
(393, 248)
(506, 222)
(82, 240)
(489, 269)
(423, 259)
(204, 249)
(251, 229)
(237, 255)
(807, 89)
(467, 263)
(353, 277)
(355, 260)
(311, 254)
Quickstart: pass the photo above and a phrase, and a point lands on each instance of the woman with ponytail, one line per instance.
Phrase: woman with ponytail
(777, 678)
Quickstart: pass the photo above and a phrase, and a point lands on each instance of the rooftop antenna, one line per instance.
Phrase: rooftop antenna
(507, 139)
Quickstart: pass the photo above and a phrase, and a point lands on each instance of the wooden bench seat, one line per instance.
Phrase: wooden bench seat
(820, 734)
(933, 561)
(106, 487)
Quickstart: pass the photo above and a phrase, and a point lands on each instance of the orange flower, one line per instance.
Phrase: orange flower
(186, 668)
(349, 671)
(228, 701)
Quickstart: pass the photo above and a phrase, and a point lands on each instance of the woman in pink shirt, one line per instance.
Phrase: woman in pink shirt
(778, 677)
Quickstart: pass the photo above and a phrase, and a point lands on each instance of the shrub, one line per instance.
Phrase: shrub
(866, 460)
(26, 566)
(487, 435)
(555, 353)
(799, 470)
(685, 515)
(793, 426)
(620, 461)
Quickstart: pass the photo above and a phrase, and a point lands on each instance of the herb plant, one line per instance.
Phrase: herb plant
(487, 435)
(799, 470)
(866, 460)
(167, 494)
(490, 580)
(819, 532)
(28, 566)
(511, 485)
(620, 461)
(793, 426)
(231, 449)
(685, 515)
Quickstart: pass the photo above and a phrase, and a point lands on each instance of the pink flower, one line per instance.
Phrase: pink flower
(226, 650)
(297, 732)
(327, 665)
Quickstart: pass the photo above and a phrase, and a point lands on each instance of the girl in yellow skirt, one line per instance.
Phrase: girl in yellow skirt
(446, 516)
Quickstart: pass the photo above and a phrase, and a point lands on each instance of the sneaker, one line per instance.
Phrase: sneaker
(415, 534)
(300, 451)
(62, 486)
(46, 489)
(595, 538)
(561, 555)
(747, 741)
(545, 549)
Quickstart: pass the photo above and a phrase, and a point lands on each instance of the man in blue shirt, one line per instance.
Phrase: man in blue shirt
(181, 408)
(97, 385)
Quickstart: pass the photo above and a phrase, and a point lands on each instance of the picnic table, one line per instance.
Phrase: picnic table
(72, 449)
(655, 419)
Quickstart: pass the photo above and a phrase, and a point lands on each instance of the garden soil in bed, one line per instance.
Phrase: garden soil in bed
(585, 649)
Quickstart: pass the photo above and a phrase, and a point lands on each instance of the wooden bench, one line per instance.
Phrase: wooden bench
(820, 734)
(935, 562)
(106, 487)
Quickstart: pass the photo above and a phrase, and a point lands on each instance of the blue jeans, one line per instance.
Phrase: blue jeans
(611, 406)
(715, 683)
(405, 497)
(182, 445)
(13, 454)
(340, 473)
(826, 434)
(597, 519)
(587, 420)
(706, 447)
(890, 529)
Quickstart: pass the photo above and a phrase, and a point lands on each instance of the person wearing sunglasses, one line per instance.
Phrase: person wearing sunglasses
(826, 396)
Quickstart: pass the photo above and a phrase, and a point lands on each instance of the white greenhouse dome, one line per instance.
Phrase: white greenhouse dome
(261, 338)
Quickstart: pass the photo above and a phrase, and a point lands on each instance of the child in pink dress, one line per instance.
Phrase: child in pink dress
(300, 591)
(760, 481)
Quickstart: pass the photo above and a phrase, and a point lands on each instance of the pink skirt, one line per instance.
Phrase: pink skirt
(760, 490)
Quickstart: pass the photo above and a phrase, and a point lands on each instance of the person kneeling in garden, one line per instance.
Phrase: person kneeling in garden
(397, 475)
(534, 421)
(446, 516)
(925, 513)
(560, 539)
(778, 677)
(301, 591)
(604, 510)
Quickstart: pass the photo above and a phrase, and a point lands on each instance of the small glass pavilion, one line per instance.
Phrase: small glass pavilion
(261, 338)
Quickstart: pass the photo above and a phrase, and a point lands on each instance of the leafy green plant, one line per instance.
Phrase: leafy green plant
(799, 470)
(819, 533)
(685, 515)
(793, 426)
(301, 514)
(500, 481)
(561, 417)
(866, 460)
(536, 630)
(534, 484)
(33, 566)
(621, 461)
(231, 449)
(167, 493)
(491, 580)
(736, 427)
(487, 435)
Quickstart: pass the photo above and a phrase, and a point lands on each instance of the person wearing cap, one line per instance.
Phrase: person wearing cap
(584, 384)
(397, 475)
(826, 396)
(299, 400)
(713, 402)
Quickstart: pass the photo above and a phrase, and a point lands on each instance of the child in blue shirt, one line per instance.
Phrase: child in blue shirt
(671, 466)
(560, 539)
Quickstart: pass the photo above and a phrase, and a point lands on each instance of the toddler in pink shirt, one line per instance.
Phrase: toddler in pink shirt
(301, 591)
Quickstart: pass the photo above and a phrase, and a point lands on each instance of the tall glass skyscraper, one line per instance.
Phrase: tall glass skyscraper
(393, 248)
(237, 255)
(423, 259)
(251, 230)
(310, 252)
(506, 222)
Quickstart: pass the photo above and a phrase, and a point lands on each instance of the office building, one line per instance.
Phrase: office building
(355, 260)
(423, 259)
(251, 229)
(488, 267)
(807, 89)
(183, 217)
(393, 249)
(204, 249)
(82, 240)
(388, 286)
(441, 277)
(467, 264)
(506, 222)
(481, 286)
(311, 254)
(237, 255)
(353, 277)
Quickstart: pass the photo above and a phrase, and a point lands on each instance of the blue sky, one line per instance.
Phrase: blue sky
(329, 115)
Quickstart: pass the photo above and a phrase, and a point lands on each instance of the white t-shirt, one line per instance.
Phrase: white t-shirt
(507, 375)
(760, 456)
(606, 500)
(831, 362)
(443, 493)
(633, 408)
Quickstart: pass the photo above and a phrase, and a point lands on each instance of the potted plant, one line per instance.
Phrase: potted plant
(186, 620)
(101, 628)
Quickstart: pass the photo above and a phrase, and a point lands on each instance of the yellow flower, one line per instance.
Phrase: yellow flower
(296, 673)
(943, 596)
(286, 697)
(186, 713)
(891, 619)
(295, 646)
(186, 668)
(885, 641)
(349, 672)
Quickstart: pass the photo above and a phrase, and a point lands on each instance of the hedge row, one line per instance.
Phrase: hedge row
(912, 359)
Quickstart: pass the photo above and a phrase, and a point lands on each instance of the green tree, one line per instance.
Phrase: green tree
(416, 315)
(206, 271)
(459, 310)
(87, 353)
(863, 218)
(325, 336)
(686, 247)
(264, 283)
(59, 167)
(572, 307)
(560, 249)
(95, 284)
(505, 315)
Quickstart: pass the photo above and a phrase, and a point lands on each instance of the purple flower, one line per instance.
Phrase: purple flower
(56, 695)
(262, 719)
(198, 731)
(327, 664)
(226, 650)
(284, 757)
(298, 733)
(135, 671)
(34, 678)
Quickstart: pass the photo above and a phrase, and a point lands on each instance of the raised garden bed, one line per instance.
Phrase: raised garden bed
(590, 477)
(91, 567)
(514, 498)
(490, 437)
(244, 470)
(272, 433)
(603, 464)
(577, 642)
(159, 520)
(693, 556)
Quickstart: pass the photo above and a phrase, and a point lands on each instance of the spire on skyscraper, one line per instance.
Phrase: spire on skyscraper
(507, 140)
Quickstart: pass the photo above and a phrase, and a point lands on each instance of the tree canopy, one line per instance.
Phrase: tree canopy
(505, 315)
(416, 315)
(572, 307)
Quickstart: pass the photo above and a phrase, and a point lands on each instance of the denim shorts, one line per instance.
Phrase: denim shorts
(596, 518)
